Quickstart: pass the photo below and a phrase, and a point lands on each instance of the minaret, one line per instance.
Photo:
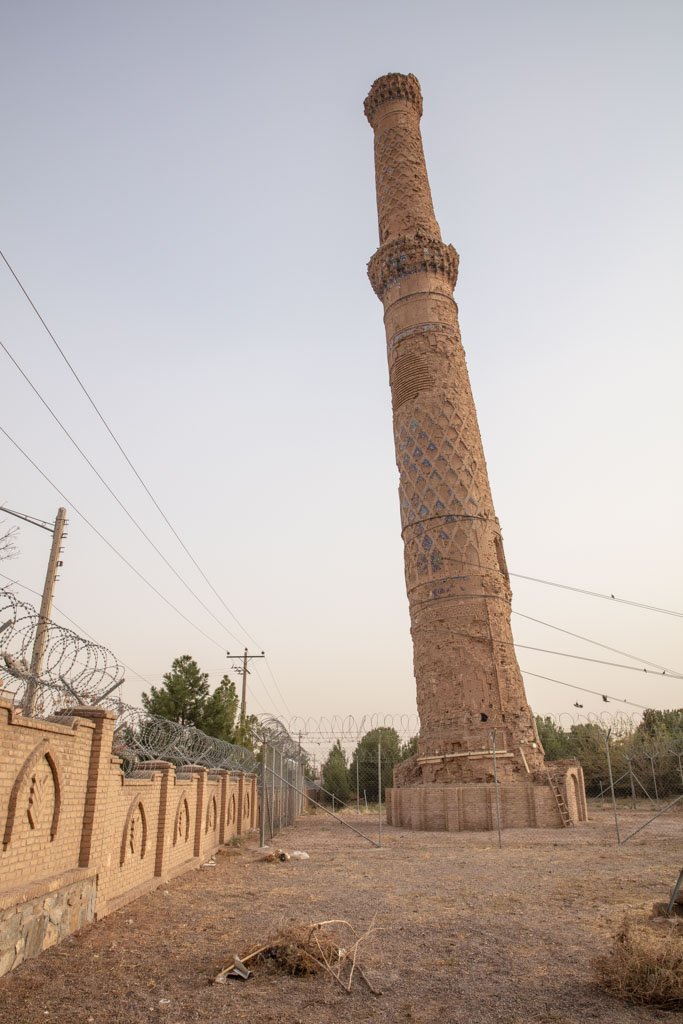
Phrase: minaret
(468, 680)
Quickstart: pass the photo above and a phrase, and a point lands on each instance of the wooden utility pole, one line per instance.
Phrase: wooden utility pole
(40, 640)
(246, 658)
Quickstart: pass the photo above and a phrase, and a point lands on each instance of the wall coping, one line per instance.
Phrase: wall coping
(21, 894)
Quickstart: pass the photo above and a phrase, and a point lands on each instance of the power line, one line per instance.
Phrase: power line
(594, 661)
(108, 542)
(122, 450)
(73, 622)
(565, 586)
(615, 650)
(113, 493)
(562, 654)
(263, 684)
(572, 686)
(606, 597)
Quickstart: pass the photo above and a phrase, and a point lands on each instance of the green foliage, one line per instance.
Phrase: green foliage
(185, 697)
(245, 735)
(658, 736)
(364, 764)
(664, 727)
(409, 748)
(220, 711)
(554, 739)
(335, 773)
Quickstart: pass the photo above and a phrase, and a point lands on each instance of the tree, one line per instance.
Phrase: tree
(220, 712)
(409, 748)
(661, 726)
(336, 774)
(364, 762)
(8, 548)
(554, 739)
(185, 697)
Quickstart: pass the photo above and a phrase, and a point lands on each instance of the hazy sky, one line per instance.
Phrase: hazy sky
(188, 196)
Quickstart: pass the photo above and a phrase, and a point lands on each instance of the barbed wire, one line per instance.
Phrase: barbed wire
(348, 727)
(139, 737)
(79, 672)
(74, 671)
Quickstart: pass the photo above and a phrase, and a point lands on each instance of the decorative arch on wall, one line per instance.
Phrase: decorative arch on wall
(134, 838)
(247, 804)
(29, 773)
(181, 828)
(232, 809)
(211, 814)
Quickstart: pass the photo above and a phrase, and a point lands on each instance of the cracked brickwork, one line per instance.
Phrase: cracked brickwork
(467, 676)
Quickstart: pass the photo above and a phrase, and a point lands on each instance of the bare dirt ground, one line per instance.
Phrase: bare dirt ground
(467, 932)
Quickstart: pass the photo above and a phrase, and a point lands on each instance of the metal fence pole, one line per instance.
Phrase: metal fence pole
(281, 795)
(357, 786)
(651, 759)
(271, 809)
(633, 786)
(495, 783)
(379, 790)
(262, 797)
(611, 786)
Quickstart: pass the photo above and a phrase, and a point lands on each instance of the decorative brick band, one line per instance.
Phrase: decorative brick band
(410, 254)
(393, 87)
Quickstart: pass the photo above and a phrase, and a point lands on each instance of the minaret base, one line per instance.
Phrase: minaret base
(556, 800)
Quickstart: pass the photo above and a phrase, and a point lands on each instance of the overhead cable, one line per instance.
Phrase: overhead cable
(115, 496)
(122, 450)
(108, 542)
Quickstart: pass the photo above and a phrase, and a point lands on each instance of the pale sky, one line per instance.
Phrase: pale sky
(188, 197)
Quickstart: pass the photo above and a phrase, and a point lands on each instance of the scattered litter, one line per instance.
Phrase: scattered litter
(274, 855)
(209, 863)
(237, 969)
(299, 855)
(330, 947)
(164, 1002)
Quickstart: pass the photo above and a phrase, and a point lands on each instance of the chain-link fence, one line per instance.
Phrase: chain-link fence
(640, 787)
(356, 758)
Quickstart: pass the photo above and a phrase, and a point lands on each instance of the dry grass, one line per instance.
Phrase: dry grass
(301, 949)
(298, 949)
(644, 965)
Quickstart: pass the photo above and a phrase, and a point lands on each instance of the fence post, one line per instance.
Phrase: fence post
(680, 766)
(633, 788)
(495, 783)
(611, 786)
(271, 808)
(651, 759)
(262, 795)
(357, 786)
(379, 790)
(282, 793)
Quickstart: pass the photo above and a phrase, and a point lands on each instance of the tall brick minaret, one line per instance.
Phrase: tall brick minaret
(468, 679)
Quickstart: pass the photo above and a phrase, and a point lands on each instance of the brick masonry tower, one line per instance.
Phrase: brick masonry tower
(470, 693)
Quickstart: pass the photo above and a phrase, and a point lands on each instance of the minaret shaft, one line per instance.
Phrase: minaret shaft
(467, 677)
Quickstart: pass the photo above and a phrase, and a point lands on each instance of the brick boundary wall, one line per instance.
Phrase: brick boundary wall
(80, 839)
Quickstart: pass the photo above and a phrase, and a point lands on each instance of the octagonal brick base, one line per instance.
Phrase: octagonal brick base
(472, 807)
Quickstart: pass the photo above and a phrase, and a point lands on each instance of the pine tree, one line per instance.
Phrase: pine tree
(336, 774)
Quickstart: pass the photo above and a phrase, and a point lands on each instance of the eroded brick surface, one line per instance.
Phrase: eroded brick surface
(467, 676)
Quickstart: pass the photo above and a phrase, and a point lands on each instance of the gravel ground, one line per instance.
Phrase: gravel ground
(466, 932)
